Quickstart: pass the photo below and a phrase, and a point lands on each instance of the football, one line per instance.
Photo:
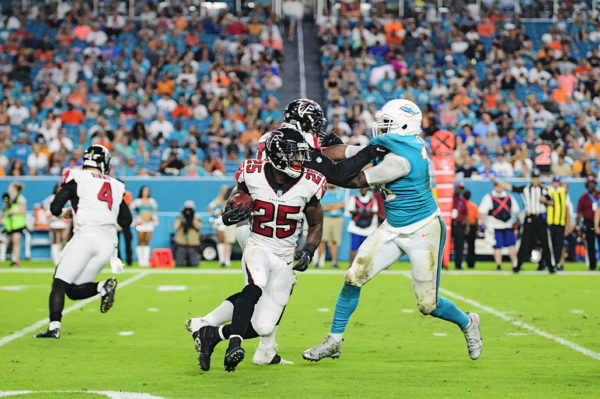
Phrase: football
(242, 198)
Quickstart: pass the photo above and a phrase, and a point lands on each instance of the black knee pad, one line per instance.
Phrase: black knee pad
(252, 293)
(59, 285)
(233, 298)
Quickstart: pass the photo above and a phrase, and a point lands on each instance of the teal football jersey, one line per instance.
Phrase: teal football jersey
(409, 199)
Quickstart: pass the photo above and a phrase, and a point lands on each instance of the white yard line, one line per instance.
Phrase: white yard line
(237, 270)
(518, 323)
(41, 323)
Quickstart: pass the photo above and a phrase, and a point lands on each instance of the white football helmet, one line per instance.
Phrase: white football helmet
(402, 117)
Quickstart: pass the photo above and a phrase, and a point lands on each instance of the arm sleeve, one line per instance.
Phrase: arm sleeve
(66, 193)
(518, 189)
(484, 206)
(124, 218)
(342, 172)
(331, 139)
(391, 168)
(352, 150)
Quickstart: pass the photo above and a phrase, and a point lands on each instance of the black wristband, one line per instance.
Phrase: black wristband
(310, 248)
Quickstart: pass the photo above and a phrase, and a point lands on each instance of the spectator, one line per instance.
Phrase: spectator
(486, 124)
(363, 208)
(333, 205)
(502, 167)
(561, 168)
(72, 116)
(193, 168)
(17, 113)
(160, 127)
(61, 142)
(13, 217)
(37, 161)
(187, 236)
(496, 212)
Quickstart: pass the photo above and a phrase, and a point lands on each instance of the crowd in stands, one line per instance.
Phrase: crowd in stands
(173, 93)
(167, 92)
(516, 94)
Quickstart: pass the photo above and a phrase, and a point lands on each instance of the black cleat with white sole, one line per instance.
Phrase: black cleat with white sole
(49, 334)
(110, 287)
(234, 355)
(208, 336)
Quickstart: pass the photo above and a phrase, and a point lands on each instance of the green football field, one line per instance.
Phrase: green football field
(541, 338)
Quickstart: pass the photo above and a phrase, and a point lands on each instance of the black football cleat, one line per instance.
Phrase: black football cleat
(49, 334)
(209, 338)
(110, 287)
(234, 355)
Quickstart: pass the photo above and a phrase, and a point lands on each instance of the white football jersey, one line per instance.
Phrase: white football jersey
(98, 199)
(277, 217)
(310, 138)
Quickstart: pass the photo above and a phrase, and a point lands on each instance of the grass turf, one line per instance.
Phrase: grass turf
(390, 350)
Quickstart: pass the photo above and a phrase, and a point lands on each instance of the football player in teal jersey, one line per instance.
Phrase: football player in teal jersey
(413, 227)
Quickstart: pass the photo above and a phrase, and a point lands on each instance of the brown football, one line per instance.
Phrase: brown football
(242, 198)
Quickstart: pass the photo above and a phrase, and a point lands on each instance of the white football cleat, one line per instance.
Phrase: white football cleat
(473, 336)
(329, 348)
(193, 326)
(267, 356)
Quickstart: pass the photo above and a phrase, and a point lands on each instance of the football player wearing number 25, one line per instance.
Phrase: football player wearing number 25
(283, 193)
(97, 202)
(413, 227)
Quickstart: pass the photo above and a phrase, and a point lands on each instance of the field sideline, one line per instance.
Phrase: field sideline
(540, 338)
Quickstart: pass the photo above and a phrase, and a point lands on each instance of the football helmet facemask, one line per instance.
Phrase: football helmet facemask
(287, 150)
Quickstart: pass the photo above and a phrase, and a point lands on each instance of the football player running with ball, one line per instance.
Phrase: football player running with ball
(97, 202)
(413, 227)
(283, 193)
(307, 117)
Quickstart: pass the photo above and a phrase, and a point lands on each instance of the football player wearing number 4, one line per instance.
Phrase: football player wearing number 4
(97, 202)
(413, 227)
(283, 193)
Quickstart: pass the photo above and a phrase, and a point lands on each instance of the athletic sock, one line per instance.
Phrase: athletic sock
(57, 299)
(267, 341)
(244, 308)
(447, 310)
(54, 325)
(221, 314)
(83, 291)
(225, 332)
(346, 304)
(221, 253)
(100, 288)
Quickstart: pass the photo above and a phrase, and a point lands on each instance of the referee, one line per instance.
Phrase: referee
(558, 213)
(535, 199)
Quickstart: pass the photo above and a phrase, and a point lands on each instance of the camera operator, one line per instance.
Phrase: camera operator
(187, 236)
(13, 217)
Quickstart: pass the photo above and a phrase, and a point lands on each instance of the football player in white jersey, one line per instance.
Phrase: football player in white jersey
(284, 192)
(97, 202)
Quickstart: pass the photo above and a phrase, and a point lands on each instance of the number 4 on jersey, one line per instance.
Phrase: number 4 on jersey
(105, 195)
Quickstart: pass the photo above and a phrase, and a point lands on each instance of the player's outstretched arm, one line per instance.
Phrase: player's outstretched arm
(504, 185)
(124, 218)
(66, 193)
(314, 220)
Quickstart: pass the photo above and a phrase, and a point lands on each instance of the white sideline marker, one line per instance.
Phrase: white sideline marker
(408, 311)
(152, 310)
(323, 310)
(126, 333)
(577, 311)
(518, 323)
(440, 334)
(41, 323)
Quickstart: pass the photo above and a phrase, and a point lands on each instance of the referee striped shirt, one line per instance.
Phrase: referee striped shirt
(531, 195)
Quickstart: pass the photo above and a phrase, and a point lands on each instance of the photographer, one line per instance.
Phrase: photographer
(187, 236)
(13, 217)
